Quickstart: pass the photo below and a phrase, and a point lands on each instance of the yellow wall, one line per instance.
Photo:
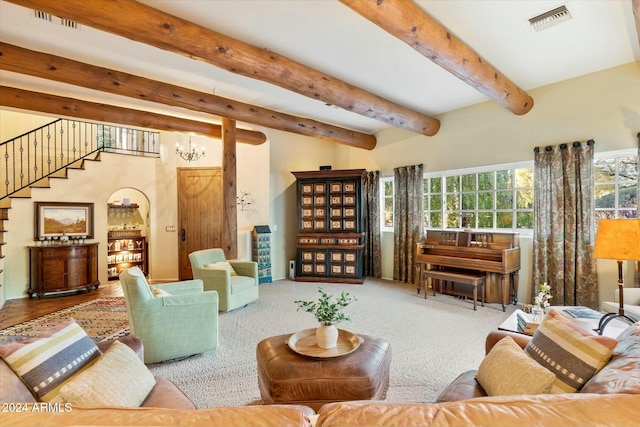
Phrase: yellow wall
(155, 178)
(603, 106)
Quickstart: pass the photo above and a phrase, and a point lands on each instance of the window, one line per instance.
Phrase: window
(493, 198)
(616, 185)
(501, 197)
(387, 203)
(433, 202)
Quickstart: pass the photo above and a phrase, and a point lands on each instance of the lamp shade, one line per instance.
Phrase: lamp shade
(618, 239)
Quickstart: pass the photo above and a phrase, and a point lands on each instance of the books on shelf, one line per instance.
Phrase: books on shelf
(525, 323)
(583, 312)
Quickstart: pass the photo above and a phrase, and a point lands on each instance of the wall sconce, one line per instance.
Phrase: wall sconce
(191, 154)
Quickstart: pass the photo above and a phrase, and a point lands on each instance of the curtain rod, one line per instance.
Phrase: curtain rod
(590, 143)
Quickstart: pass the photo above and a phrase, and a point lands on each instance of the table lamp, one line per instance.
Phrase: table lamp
(617, 239)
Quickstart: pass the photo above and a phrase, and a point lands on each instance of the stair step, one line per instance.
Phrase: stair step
(25, 193)
(62, 173)
(41, 183)
(78, 164)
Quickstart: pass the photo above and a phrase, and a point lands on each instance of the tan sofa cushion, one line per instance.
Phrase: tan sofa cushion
(266, 416)
(558, 410)
(507, 370)
(117, 378)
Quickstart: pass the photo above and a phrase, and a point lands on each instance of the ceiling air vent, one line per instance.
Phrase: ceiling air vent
(552, 17)
(62, 21)
(43, 15)
(68, 23)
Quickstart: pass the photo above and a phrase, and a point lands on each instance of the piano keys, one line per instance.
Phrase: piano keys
(494, 253)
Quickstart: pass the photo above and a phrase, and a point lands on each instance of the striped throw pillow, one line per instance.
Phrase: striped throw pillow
(45, 362)
(571, 353)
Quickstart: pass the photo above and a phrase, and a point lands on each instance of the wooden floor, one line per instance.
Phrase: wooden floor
(20, 310)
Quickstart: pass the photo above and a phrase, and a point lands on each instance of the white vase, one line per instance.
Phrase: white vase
(327, 336)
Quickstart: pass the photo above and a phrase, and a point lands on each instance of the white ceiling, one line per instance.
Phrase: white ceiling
(330, 37)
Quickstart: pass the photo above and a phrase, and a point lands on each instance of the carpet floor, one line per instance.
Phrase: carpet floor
(102, 318)
(432, 340)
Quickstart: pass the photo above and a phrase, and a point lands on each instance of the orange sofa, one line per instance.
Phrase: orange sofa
(615, 403)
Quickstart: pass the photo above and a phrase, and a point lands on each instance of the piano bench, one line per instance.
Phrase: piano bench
(474, 279)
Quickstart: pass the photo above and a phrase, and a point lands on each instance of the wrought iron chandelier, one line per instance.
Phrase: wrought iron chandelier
(190, 155)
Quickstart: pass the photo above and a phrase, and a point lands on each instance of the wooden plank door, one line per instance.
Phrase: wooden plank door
(200, 213)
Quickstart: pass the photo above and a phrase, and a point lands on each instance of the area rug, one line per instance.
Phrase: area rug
(102, 319)
(432, 340)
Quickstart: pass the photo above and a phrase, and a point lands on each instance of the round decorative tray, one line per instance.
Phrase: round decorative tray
(305, 344)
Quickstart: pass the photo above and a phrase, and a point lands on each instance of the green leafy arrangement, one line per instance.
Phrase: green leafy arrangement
(327, 309)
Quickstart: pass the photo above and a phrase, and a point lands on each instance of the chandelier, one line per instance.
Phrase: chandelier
(191, 154)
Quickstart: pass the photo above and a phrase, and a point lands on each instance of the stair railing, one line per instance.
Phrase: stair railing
(48, 149)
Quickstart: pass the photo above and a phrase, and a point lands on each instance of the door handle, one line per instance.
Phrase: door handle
(183, 235)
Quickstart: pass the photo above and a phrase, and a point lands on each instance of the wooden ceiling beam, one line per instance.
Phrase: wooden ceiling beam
(69, 107)
(20, 60)
(410, 23)
(145, 24)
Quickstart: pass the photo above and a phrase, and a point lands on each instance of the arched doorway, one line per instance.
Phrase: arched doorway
(128, 228)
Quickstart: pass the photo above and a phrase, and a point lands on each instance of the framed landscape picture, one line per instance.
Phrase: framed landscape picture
(55, 218)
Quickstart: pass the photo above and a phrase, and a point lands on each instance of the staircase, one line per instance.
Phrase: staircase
(34, 159)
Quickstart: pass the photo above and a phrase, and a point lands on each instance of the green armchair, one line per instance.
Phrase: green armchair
(178, 321)
(236, 287)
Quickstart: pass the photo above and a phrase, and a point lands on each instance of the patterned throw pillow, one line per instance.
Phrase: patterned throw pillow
(571, 353)
(117, 378)
(45, 362)
(507, 370)
(222, 265)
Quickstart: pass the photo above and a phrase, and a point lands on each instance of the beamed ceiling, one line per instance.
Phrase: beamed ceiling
(339, 70)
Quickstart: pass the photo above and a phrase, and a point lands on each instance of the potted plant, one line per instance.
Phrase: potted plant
(328, 311)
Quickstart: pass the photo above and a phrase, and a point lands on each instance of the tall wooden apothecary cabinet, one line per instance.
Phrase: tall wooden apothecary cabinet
(330, 230)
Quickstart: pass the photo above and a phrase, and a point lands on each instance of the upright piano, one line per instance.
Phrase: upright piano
(494, 253)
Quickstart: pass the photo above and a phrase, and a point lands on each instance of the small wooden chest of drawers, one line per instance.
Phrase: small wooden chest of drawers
(63, 268)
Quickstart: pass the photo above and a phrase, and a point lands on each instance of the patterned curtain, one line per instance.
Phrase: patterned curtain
(372, 263)
(564, 224)
(408, 220)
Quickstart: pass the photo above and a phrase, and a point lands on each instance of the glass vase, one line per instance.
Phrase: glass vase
(537, 313)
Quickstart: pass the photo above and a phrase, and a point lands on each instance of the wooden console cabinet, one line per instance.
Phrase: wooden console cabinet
(63, 268)
(330, 237)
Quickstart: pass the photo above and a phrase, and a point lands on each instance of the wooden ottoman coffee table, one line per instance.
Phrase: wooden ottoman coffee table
(287, 377)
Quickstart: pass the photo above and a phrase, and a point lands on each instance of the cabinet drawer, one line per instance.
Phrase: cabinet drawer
(65, 252)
